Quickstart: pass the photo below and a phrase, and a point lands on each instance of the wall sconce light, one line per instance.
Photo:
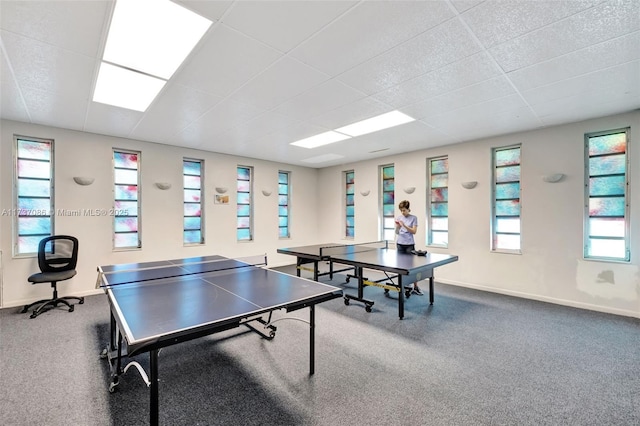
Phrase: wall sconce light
(470, 184)
(553, 178)
(266, 192)
(221, 189)
(83, 180)
(163, 185)
(365, 192)
(410, 189)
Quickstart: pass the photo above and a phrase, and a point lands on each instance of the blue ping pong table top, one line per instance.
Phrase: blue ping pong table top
(156, 307)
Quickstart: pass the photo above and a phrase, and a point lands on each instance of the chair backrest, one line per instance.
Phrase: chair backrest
(58, 253)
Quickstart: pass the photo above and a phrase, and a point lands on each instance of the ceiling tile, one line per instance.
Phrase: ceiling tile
(66, 110)
(283, 24)
(206, 132)
(428, 51)
(224, 62)
(455, 76)
(325, 97)
(109, 120)
(619, 84)
(176, 107)
(285, 79)
(58, 23)
(48, 68)
(12, 106)
(351, 113)
(593, 58)
(461, 98)
(495, 22)
(258, 127)
(604, 22)
(462, 5)
(212, 10)
(367, 30)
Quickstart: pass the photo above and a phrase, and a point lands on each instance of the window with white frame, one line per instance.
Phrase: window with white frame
(244, 227)
(33, 211)
(438, 202)
(284, 204)
(193, 220)
(606, 217)
(350, 204)
(126, 200)
(387, 197)
(506, 199)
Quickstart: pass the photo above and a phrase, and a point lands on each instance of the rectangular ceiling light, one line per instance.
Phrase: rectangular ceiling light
(152, 36)
(321, 139)
(380, 122)
(125, 88)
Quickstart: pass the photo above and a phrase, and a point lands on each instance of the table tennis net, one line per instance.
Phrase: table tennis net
(352, 248)
(154, 271)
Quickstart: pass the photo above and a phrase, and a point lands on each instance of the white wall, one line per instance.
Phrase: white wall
(85, 154)
(551, 266)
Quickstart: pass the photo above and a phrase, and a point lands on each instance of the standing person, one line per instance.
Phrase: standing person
(406, 227)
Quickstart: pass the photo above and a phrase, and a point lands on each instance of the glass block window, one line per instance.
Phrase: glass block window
(284, 204)
(607, 195)
(244, 227)
(192, 175)
(387, 178)
(126, 182)
(350, 204)
(33, 206)
(438, 202)
(506, 199)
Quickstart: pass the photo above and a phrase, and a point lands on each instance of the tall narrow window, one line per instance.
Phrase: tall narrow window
(33, 206)
(438, 202)
(244, 201)
(506, 200)
(387, 176)
(284, 204)
(126, 179)
(193, 173)
(350, 204)
(607, 191)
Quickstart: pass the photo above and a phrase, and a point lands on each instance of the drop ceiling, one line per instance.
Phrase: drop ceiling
(268, 73)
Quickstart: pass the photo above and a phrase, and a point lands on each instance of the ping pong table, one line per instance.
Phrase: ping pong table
(159, 304)
(400, 269)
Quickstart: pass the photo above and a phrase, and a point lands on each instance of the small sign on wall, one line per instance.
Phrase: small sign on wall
(221, 199)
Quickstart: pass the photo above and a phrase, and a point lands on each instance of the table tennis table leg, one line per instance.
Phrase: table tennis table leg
(312, 339)
(400, 298)
(431, 289)
(153, 403)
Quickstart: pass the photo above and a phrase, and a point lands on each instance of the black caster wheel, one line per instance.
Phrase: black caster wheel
(112, 387)
(33, 315)
(346, 301)
(24, 310)
(71, 308)
(407, 294)
(81, 301)
(368, 308)
(386, 291)
(104, 353)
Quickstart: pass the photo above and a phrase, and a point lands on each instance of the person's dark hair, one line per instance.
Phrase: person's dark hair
(404, 204)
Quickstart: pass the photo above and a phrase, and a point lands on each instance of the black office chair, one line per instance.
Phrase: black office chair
(57, 259)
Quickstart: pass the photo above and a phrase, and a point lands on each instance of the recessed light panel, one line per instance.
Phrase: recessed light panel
(380, 122)
(125, 88)
(152, 36)
(321, 139)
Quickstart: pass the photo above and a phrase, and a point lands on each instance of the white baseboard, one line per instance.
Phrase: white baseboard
(563, 302)
(20, 303)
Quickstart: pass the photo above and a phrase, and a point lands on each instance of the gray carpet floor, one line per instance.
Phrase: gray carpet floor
(473, 358)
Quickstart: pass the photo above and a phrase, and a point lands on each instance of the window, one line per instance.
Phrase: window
(350, 204)
(284, 204)
(438, 202)
(33, 207)
(192, 172)
(506, 199)
(606, 192)
(126, 180)
(388, 202)
(244, 202)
